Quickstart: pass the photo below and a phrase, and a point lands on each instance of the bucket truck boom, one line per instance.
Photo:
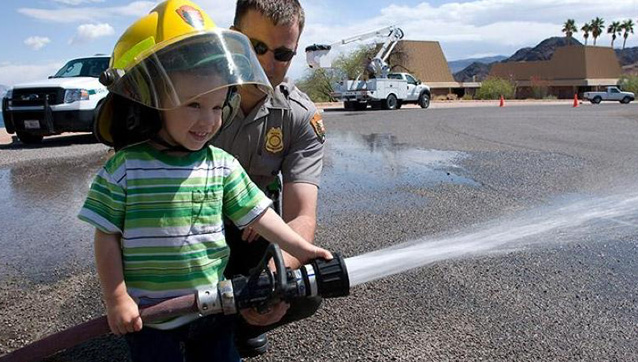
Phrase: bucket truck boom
(383, 89)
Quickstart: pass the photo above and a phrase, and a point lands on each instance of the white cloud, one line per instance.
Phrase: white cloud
(11, 73)
(36, 42)
(88, 14)
(221, 11)
(89, 32)
(77, 2)
(464, 29)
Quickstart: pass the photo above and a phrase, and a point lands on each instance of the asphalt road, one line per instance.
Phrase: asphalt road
(567, 292)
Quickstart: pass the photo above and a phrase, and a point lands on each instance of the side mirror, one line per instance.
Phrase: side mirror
(418, 82)
(49, 77)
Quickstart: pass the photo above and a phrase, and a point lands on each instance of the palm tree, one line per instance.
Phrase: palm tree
(597, 28)
(613, 29)
(627, 27)
(569, 28)
(586, 29)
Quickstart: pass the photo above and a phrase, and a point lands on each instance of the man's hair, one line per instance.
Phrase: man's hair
(280, 12)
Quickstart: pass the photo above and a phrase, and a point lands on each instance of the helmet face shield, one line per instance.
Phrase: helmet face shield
(189, 67)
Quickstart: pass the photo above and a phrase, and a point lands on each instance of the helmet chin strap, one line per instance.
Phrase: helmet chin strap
(170, 147)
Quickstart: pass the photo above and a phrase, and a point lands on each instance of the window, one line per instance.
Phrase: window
(86, 67)
(410, 79)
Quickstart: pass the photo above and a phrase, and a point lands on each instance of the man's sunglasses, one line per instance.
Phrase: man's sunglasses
(282, 54)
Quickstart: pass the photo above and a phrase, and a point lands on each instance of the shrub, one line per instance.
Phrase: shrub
(493, 88)
(629, 83)
(467, 97)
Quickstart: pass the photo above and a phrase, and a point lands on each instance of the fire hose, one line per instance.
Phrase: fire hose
(261, 289)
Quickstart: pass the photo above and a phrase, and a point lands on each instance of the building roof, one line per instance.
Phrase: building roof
(423, 59)
(570, 65)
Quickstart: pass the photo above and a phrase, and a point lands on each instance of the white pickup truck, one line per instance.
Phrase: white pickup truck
(387, 93)
(612, 94)
(65, 102)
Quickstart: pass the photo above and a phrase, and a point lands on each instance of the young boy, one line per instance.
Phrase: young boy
(158, 204)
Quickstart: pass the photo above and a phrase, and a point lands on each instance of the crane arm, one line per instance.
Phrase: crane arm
(316, 52)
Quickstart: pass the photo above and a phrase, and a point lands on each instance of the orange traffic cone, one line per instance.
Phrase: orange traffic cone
(502, 104)
(575, 100)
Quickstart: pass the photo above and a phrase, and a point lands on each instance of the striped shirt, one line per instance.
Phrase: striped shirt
(168, 211)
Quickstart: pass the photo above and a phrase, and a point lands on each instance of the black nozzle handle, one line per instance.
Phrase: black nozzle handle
(332, 277)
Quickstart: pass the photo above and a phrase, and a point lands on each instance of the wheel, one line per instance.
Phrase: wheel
(596, 100)
(625, 100)
(28, 138)
(399, 104)
(424, 100)
(358, 106)
(348, 106)
(391, 102)
(377, 104)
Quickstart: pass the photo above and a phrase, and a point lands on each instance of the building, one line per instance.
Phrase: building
(572, 69)
(426, 61)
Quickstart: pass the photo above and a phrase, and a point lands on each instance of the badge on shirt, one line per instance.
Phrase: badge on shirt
(274, 140)
(317, 125)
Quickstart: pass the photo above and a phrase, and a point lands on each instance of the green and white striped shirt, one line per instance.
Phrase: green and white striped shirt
(169, 211)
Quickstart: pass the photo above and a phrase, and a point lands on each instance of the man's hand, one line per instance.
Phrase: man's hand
(249, 235)
(274, 315)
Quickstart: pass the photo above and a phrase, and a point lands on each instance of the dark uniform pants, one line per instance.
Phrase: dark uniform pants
(209, 338)
(243, 257)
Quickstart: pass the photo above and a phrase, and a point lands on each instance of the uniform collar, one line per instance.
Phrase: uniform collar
(277, 101)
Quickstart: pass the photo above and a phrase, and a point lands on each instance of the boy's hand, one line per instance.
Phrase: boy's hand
(274, 315)
(322, 253)
(123, 316)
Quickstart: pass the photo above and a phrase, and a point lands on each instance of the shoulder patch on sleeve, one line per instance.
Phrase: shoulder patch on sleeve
(317, 124)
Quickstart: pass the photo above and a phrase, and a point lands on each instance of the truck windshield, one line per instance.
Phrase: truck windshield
(86, 67)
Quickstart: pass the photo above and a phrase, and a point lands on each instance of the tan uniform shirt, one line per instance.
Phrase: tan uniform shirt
(283, 133)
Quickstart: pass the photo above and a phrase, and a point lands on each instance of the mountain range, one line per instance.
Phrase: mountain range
(478, 70)
(458, 65)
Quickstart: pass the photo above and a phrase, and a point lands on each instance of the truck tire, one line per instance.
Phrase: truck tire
(358, 106)
(625, 100)
(348, 106)
(596, 100)
(390, 102)
(399, 104)
(28, 138)
(424, 100)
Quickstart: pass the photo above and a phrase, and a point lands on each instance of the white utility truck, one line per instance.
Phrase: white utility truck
(612, 94)
(384, 89)
(65, 102)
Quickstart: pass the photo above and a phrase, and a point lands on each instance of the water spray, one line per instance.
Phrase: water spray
(334, 278)
(261, 289)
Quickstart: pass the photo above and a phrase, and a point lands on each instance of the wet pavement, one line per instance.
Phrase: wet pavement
(389, 178)
(42, 202)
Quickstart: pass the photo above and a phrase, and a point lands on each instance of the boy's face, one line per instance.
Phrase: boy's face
(194, 123)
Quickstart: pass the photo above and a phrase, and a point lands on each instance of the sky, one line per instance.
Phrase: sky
(39, 36)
